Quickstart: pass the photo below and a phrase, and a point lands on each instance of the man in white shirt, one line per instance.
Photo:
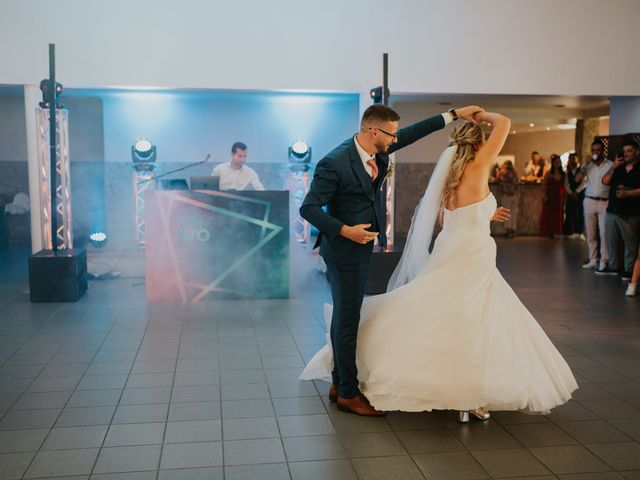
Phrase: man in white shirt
(595, 205)
(235, 175)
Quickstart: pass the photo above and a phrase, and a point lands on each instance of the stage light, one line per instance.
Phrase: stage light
(98, 239)
(300, 153)
(143, 154)
(376, 94)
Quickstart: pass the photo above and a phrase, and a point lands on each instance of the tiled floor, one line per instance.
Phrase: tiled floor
(113, 388)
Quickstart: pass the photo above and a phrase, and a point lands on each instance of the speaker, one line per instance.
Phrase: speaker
(58, 278)
(381, 267)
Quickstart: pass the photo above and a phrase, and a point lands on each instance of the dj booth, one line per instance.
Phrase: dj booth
(208, 244)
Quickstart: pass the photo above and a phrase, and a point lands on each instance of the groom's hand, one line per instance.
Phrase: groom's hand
(358, 233)
(468, 113)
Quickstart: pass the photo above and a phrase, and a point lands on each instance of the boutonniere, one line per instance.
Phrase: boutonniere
(388, 174)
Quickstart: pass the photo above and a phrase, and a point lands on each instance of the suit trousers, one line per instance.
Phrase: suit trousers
(622, 231)
(595, 212)
(347, 283)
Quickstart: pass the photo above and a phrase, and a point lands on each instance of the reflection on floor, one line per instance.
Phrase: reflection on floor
(111, 385)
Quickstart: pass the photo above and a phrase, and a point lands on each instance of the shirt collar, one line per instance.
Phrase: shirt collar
(364, 156)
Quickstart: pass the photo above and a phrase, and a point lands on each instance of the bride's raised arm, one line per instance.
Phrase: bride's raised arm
(492, 147)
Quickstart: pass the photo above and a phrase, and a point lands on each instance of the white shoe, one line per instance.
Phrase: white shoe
(631, 290)
(590, 266)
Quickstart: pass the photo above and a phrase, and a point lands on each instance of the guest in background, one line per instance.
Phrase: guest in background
(235, 175)
(595, 205)
(507, 179)
(623, 211)
(632, 289)
(553, 199)
(542, 168)
(574, 215)
(531, 168)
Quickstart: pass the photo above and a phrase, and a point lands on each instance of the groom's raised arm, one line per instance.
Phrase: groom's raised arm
(418, 130)
(322, 189)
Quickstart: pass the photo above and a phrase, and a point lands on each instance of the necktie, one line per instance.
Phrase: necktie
(374, 168)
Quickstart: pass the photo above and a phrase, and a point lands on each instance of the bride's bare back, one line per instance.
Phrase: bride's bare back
(474, 182)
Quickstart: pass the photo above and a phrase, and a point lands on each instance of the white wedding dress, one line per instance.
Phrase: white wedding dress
(456, 336)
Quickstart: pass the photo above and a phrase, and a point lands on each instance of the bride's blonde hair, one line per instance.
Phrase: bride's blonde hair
(465, 137)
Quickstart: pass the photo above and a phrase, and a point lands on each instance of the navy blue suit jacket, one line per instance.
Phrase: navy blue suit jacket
(342, 184)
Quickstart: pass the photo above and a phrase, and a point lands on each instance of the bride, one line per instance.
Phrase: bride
(450, 333)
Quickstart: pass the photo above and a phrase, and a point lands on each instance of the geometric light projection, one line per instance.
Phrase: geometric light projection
(64, 232)
(203, 243)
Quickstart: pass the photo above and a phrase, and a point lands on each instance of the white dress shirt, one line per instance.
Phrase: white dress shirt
(365, 157)
(594, 174)
(244, 178)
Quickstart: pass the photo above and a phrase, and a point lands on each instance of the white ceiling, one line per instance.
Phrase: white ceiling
(545, 112)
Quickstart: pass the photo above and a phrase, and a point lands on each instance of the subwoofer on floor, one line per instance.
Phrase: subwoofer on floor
(58, 278)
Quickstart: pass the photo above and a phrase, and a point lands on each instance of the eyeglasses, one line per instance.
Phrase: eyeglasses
(395, 136)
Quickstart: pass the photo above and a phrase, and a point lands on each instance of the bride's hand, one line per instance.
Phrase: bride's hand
(469, 113)
(501, 215)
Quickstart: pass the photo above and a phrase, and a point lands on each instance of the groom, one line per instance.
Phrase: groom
(349, 181)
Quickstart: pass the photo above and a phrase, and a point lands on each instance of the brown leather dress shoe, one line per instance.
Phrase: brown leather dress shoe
(359, 406)
(333, 393)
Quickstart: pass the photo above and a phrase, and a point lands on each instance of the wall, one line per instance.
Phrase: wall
(464, 46)
(625, 115)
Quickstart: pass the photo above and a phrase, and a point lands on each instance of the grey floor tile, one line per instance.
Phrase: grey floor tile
(450, 466)
(135, 434)
(16, 441)
(111, 368)
(42, 400)
(230, 377)
(611, 409)
(540, 435)
(592, 476)
(156, 412)
(153, 366)
(186, 378)
(145, 396)
(75, 437)
(196, 393)
(20, 419)
(81, 416)
(271, 471)
(569, 459)
(320, 447)
(620, 456)
(193, 431)
(191, 455)
(292, 389)
(128, 459)
(349, 423)
(380, 444)
(514, 418)
(571, 411)
(303, 425)
(102, 382)
(249, 428)
(14, 464)
(249, 391)
(299, 406)
(433, 440)
(510, 463)
(387, 468)
(254, 451)
(137, 380)
(194, 411)
(322, 470)
(594, 431)
(148, 475)
(247, 408)
(488, 435)
(58, 463)
(413, 421)
(95, 398)
(210, 473)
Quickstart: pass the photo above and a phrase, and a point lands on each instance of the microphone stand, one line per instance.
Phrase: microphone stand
(158, 177)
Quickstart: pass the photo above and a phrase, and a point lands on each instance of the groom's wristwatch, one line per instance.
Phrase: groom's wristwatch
(453, 113)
